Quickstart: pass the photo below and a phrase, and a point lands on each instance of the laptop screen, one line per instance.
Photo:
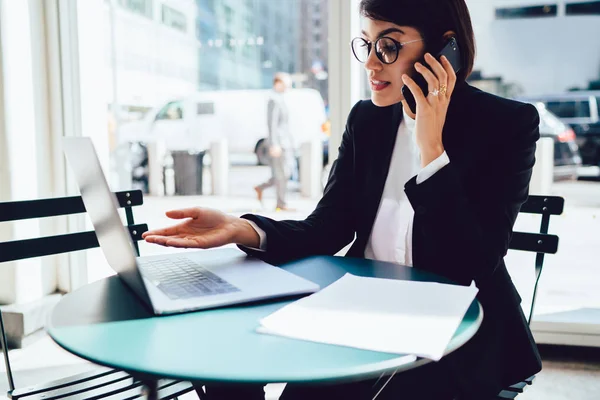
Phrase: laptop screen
(101, 205)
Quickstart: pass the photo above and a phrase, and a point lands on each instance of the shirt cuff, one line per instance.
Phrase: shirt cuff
(263, 237)
(433, 167)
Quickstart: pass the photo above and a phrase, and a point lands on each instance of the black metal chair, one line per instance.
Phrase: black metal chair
(101, 383)
(540, 243)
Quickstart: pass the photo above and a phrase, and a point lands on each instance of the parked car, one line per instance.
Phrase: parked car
(581, 111)
(240, 116)
(567, 159)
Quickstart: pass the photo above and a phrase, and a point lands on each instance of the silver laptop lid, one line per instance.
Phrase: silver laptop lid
(101, 205)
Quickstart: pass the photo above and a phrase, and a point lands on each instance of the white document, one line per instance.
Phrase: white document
(386, 315)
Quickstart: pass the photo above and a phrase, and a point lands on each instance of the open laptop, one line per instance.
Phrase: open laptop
(176, 282)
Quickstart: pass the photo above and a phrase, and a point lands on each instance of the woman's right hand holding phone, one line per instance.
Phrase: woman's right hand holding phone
(433, 107)
(204, 229)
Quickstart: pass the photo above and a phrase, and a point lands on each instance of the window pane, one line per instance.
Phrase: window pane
(140, 7)
(570, 109)
(173, 18)
(171, 111)
(206, 108)
(589, 8)
(526, 12)
(202, 71)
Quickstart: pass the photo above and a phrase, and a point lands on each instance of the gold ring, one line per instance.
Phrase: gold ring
(443, 90)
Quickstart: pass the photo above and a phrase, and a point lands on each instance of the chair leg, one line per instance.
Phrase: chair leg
(200, 392)
(150, 390)
(4, 347)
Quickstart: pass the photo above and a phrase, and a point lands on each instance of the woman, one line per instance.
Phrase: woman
(439, 190)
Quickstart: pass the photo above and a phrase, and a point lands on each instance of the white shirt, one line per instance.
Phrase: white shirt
(391, 237)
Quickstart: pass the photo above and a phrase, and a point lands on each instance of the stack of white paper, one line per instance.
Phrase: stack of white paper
(391, 316)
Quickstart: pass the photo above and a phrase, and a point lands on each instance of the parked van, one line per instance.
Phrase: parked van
(580, 110)
(240, 116)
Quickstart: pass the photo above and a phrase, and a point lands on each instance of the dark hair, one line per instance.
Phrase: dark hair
(432, 18)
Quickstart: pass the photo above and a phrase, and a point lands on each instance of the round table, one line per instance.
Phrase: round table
(104, 322)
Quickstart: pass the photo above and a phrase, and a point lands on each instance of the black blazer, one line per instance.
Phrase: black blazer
(464, 215)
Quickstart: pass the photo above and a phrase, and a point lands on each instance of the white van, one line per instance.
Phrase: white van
(240, 116)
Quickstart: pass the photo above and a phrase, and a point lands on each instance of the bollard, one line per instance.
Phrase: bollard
(543, 170)
(156, 158)
(219, 155)
(121, 171)
(169, 175)
(311, 167)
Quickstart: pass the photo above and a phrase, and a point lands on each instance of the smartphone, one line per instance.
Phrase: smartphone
(452, 53)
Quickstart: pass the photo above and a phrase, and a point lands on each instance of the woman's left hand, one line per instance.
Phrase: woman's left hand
(431, 110)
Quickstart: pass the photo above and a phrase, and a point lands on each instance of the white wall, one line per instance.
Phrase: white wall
(543, 55)
(556, 53)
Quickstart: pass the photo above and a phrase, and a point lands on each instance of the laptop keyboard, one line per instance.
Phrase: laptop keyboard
(181, 278)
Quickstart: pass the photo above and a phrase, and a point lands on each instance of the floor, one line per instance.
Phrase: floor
(569, 373)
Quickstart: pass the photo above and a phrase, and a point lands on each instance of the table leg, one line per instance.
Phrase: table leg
(150, 390)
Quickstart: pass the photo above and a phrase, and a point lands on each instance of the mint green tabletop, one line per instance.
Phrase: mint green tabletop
(105, 323)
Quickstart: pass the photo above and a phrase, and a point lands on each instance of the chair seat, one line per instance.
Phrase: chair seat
(518, 387)
(101, 383)
(513, 391)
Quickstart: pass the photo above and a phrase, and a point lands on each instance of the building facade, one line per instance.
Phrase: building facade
(156, 50)
(150, 51)
(313, 45)
(538, 47)
(242, 43)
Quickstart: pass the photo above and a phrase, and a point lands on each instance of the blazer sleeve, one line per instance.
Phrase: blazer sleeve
(329, 227)
(475, 233)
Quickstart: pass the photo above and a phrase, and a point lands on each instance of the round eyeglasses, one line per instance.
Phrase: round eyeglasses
(386, 49)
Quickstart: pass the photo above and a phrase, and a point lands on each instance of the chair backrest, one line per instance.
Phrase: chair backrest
(51, 245)
(540, 243)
